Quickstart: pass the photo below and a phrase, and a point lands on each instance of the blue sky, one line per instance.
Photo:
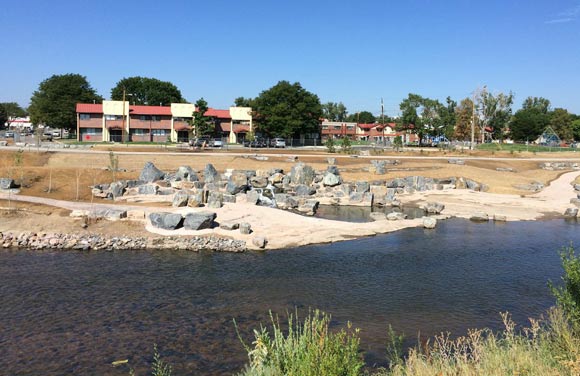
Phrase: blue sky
(350, 51)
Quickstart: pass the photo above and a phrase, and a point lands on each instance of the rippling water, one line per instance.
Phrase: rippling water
(75, 313)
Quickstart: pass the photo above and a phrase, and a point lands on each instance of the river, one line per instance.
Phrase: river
(75, 313)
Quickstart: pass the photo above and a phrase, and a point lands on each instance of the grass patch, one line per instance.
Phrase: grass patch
(512, 148)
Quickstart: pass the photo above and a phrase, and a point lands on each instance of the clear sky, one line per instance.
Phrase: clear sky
(350, 51)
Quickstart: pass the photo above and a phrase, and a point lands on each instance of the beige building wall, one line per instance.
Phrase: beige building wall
(115, 108)
(183, 110)
(240, 114)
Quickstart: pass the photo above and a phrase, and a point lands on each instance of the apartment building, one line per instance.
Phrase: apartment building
(118, 121)
(373, 132)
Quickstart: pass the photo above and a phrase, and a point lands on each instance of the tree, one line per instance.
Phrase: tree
(447, 118)
(527, 124)
(561, 123)
(54, 103)
(334, 111)
(147, 91)
(202, 125)
(420, 115)
(539, 103)
(287, 109)
(3, 116)
(576, 127)
(495, 112)
(463, 120)
(243, 102)
(362, 117)
(11, 110)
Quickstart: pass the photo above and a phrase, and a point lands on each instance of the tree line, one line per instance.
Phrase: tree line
(287, 109)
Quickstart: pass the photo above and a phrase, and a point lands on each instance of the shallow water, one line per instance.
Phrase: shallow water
(362, 213)
(75, 313)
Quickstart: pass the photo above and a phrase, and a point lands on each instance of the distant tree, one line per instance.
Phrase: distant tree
(447, 118)
(54, 103)
(576, 129)
(539, 103)
(421, 116)
(13, 109)
(287, 109)
(463, 120)
(362, 117)
(202, 125)
(147, 91)
(494, 111)
(528, 123)
(334, 111)
(3, 116)
(243, 102)
(561, 123)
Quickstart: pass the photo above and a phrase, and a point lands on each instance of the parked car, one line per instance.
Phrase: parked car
(217, 143)
(200, 141)
(258, 143)
(278, 143)
(9, 134)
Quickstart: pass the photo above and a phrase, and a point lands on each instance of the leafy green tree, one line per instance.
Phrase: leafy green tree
(243, 102)
(287, 109)
(3, 116)
(362, 117)
(334, 111)
(147, 91)
(538, 103)
(398, 143)
(11, 110)
(561, 123)
(576, 129)
(346, 145)
(420, 116)
(527, 124)
(495, 111)
(447, 118)
(54, 103)
(330, 145)
(202, 125)
(463, 120)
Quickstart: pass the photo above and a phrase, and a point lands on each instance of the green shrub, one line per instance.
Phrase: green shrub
(307, 348)
(329, 143)
(346, 145)
(568, 295)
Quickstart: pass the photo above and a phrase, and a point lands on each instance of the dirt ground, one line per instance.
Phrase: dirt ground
(67, 176)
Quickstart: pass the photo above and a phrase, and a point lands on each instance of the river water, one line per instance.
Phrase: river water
(75, 313)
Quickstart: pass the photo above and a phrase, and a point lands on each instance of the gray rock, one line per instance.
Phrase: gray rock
(245, 228)
(505, 169)
(479, 217)
(215, 200)
(232, 199)
(571, 212)
(302, 174)
(6, 183)
(362, 186)
(166, 221)
(259, 182)
(309, 207)
(252, 197)
(304, 190)
(432, 207)
(333, 170)
(396, 216)
(148, 189)
(118, 188)
(195, 200)
(277, 178)
(150, 173)
(260, 241)
(471, 184)
(186, 173)
(237, 183)
(331, 160)
(111, 214)
(199, 221)
(429, 222)
(499, 218)
(230, 226)
(577, 187)
(180, 199)
(330, 180)
(210, 174)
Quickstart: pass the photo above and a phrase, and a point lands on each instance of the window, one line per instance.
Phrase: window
(113, 117)
(85, 116)
(178, 119)
(155, 118)
(337, 127)
(145, 118)
(91, 131)
(325, 127)
(138, 132)
(158, 132)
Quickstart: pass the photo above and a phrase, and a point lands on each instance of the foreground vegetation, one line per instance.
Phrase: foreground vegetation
(548, 346)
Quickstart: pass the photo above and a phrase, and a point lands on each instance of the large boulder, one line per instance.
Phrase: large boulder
(215, 200)
(330, 180)
(118, 188)
(333, 170)
(199, 221)
(150, 173)
(238, 182)
(6, 183)
(378, 216)
(432, 207)
(309, 207)
(245, 228)
(180, 199)
(479, 217)
(186, 173)
(304, 190)
(396, 216)
(362, 186)
(378, 167)
(259, 181)
(260, 241)
(285, 201)
(166, 221)
(195, 199)
(571, 212)
(148, 189)
(302, 174)
(210, 174)
(429, 222)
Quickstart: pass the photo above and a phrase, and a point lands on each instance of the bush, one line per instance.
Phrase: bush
(306, 349)
(346, 145)
(568, 295)
(329, 143)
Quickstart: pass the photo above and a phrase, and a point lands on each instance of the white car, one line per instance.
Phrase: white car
(217, 143)
(278, 143)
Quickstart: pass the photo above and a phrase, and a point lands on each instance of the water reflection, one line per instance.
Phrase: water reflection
(65, 313)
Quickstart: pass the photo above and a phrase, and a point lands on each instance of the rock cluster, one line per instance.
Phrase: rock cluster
(92, 242)
(559, 166)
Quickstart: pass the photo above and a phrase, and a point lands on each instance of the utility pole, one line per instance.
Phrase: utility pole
(383, 120)
(123, 118)
(473, 122)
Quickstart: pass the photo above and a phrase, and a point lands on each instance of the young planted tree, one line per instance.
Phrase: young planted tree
(464, 120)
(202, 125)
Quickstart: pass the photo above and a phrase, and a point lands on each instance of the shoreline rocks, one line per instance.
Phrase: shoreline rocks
(94, 242)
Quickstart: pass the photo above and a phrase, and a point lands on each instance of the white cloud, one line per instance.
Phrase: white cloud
(569, 15)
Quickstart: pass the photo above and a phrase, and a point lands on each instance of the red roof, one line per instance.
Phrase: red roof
(89, 108)
(150, 110)
(221, 114)
(367, 126)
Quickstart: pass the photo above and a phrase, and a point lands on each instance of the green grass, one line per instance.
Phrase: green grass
(521, 148)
